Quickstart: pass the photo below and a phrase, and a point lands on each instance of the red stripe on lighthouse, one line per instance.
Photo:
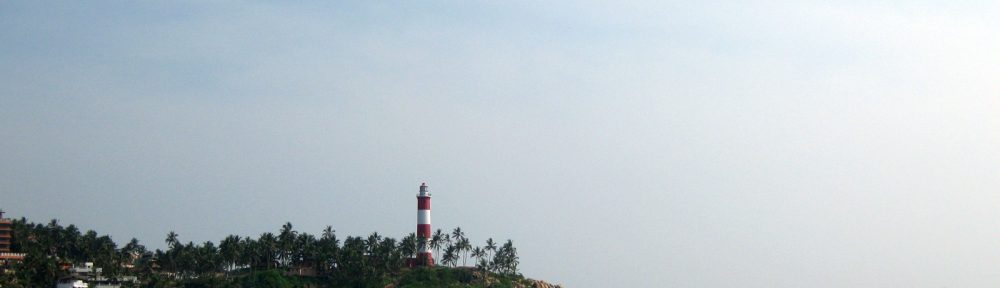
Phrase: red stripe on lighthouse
(424, 230)
(423, 203)
(426, 257)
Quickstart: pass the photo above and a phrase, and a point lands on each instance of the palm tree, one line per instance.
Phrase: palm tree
(172, 239)
(478, 253)
(229, 250)
(249, 254)
(186, 261)
(491, 247)
(372, 242)
(306, 250)
(464, 246)
(449, 256)
(447, 240)
(172, 244)
(54, 237)
(72, 238)
(506, 260)
(207, 259)
(268, 247)
(286, 239)
(457, 234)
(352, 259)
(329, 249)
(408, 246)
(387, 256)
(105, 251)
(328, 232)
(436, 242)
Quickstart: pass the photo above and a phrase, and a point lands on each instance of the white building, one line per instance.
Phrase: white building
(72, 282)
(92, 278)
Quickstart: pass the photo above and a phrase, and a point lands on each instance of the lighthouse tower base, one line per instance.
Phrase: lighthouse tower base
(425, 261)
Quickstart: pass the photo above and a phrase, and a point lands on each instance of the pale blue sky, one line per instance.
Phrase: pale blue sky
(645, 144)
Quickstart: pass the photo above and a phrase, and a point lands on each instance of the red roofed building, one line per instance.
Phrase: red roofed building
(6, 232)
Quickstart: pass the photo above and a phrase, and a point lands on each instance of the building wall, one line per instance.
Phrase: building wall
(6, 231)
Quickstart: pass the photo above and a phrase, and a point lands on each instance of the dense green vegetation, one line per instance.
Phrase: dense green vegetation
(286, 259)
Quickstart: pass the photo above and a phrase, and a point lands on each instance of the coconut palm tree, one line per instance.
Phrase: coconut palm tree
(449, 256)
(464, 247)
(408, 246)
(478, 253)
(447, 240)
(249, 253)
(172, 244)
(436, 242)
(329, 248)
(491, 247)
(268, 249)
(286, 240)
(387, 257)
(72, 238)
(172, 239)
(352, 260)
(506, 260)
(207, 259)
(328, 232)
(457, 234)
(372, 243)
(306, 250)
(229, 251)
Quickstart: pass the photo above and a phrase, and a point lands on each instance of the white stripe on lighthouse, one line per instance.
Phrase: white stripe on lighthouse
(423, 216)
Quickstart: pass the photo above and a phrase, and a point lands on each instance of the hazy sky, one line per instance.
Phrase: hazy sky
(646, 144)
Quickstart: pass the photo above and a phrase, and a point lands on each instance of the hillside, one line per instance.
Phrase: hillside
(288, 258)
(459, 277)
(463, 277)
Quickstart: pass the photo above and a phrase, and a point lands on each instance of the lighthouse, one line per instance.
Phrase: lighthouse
(424, 256)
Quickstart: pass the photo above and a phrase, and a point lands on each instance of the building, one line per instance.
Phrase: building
(6, 232)
(91, 276)
(424, 256)
(72, 281)
(6, 235)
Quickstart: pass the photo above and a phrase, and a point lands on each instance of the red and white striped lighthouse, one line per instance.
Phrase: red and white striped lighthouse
(424, 255)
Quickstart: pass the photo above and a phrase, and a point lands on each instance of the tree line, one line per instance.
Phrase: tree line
(50, 247)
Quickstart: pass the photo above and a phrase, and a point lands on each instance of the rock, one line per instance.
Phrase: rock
(541, 284)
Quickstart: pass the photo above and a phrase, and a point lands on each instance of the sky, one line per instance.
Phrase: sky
(621, 144)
